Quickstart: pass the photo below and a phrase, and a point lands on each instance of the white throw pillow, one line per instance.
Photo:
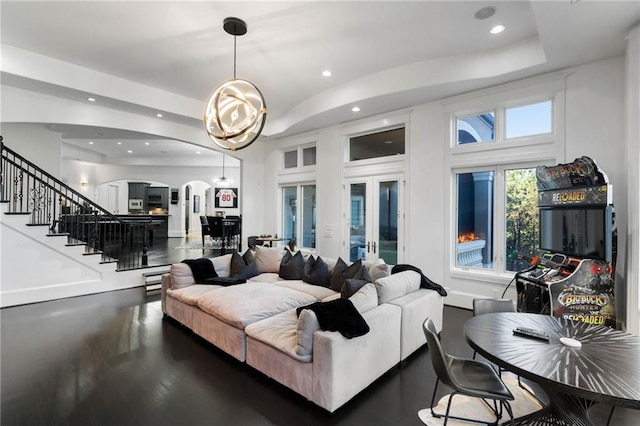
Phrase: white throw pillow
(181, 276)
(397, 285)
(307, 325)
(268, 258)
(366, 298)
(222, 265)
(379, 270)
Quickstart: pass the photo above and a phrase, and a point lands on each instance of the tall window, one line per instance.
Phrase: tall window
(299, 214)
(495, 193)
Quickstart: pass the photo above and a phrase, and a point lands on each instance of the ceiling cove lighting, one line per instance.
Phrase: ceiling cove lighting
(236, 111)
(223, 180)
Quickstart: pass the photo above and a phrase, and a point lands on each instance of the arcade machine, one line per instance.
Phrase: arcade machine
(573, 276)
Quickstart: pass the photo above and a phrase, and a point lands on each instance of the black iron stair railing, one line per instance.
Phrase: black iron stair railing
(29, 190)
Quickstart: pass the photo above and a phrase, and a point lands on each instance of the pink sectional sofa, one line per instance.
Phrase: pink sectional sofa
(257, 323)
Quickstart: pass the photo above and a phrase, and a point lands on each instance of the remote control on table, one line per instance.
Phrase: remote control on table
(531, 332)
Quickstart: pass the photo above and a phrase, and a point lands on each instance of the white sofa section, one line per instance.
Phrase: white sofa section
(257, 322)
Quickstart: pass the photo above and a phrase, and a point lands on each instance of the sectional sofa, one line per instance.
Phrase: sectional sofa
(257, 322)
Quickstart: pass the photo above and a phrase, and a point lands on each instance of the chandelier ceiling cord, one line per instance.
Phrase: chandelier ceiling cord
(236, 111)
(223, 180)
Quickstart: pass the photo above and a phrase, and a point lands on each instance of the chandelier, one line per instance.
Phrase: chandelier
(236, 111)
(223, 180)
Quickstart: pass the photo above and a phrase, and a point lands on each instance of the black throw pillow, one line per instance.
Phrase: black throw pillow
(201, 269)
(239, 268)
(363, 274)
(248, 257)
(249, 271)
(316, 272)
(352, 271)
(335, 279)
(237, 264)
(291, 266)
(351, 286)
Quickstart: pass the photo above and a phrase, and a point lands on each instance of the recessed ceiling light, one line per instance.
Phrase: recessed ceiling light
(130, 152)
(326, 73)
(91, 99)
(146, 143)
(159, 115)
(197, 152)
(90, 142)
(355, 109)
(485, 12)
(497, 29)
(119, 143)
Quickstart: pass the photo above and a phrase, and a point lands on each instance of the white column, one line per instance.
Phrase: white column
(633, 180)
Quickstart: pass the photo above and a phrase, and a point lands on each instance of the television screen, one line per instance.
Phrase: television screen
(579, 232)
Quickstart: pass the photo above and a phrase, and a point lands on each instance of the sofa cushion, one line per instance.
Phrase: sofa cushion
(365, 298)
(243, 304)
(316, 272)
(351, 286)
(280, 332)
(190, 294)
(316, 291)
(291, 266)
(266, 277)
(379, 270)
(268, 258)
(307, 325)
(397, 285)
(181, 275)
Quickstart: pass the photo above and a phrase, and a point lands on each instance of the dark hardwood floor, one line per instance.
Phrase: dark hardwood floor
(111, 359)
(165, 251)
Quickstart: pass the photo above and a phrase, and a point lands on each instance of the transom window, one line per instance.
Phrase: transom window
(302, 156)
(375, 145)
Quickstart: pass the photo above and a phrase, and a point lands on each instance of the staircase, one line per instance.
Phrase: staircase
(56, 243)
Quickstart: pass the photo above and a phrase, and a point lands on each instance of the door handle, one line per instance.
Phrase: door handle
(368, 246)
(374, 247)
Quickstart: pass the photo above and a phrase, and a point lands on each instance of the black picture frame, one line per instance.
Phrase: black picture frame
(230, 201)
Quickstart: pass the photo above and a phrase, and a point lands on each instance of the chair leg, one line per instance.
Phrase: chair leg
(613, 407)
(433, 398)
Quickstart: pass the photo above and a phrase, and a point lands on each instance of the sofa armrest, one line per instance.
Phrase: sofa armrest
(343, 367)
(166, 285)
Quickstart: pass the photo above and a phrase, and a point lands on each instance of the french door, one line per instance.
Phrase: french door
(375, 218)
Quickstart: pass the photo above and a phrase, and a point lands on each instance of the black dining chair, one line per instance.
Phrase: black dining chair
(487, 306)
(217, 230)
(473, 378)
(252, 241)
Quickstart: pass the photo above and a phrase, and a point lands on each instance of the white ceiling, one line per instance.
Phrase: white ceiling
(384, 55)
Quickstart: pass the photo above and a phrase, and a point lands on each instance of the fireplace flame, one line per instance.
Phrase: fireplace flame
(465, 238)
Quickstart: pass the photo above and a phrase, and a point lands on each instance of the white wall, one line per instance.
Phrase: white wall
(34, 142)
(594, 126)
